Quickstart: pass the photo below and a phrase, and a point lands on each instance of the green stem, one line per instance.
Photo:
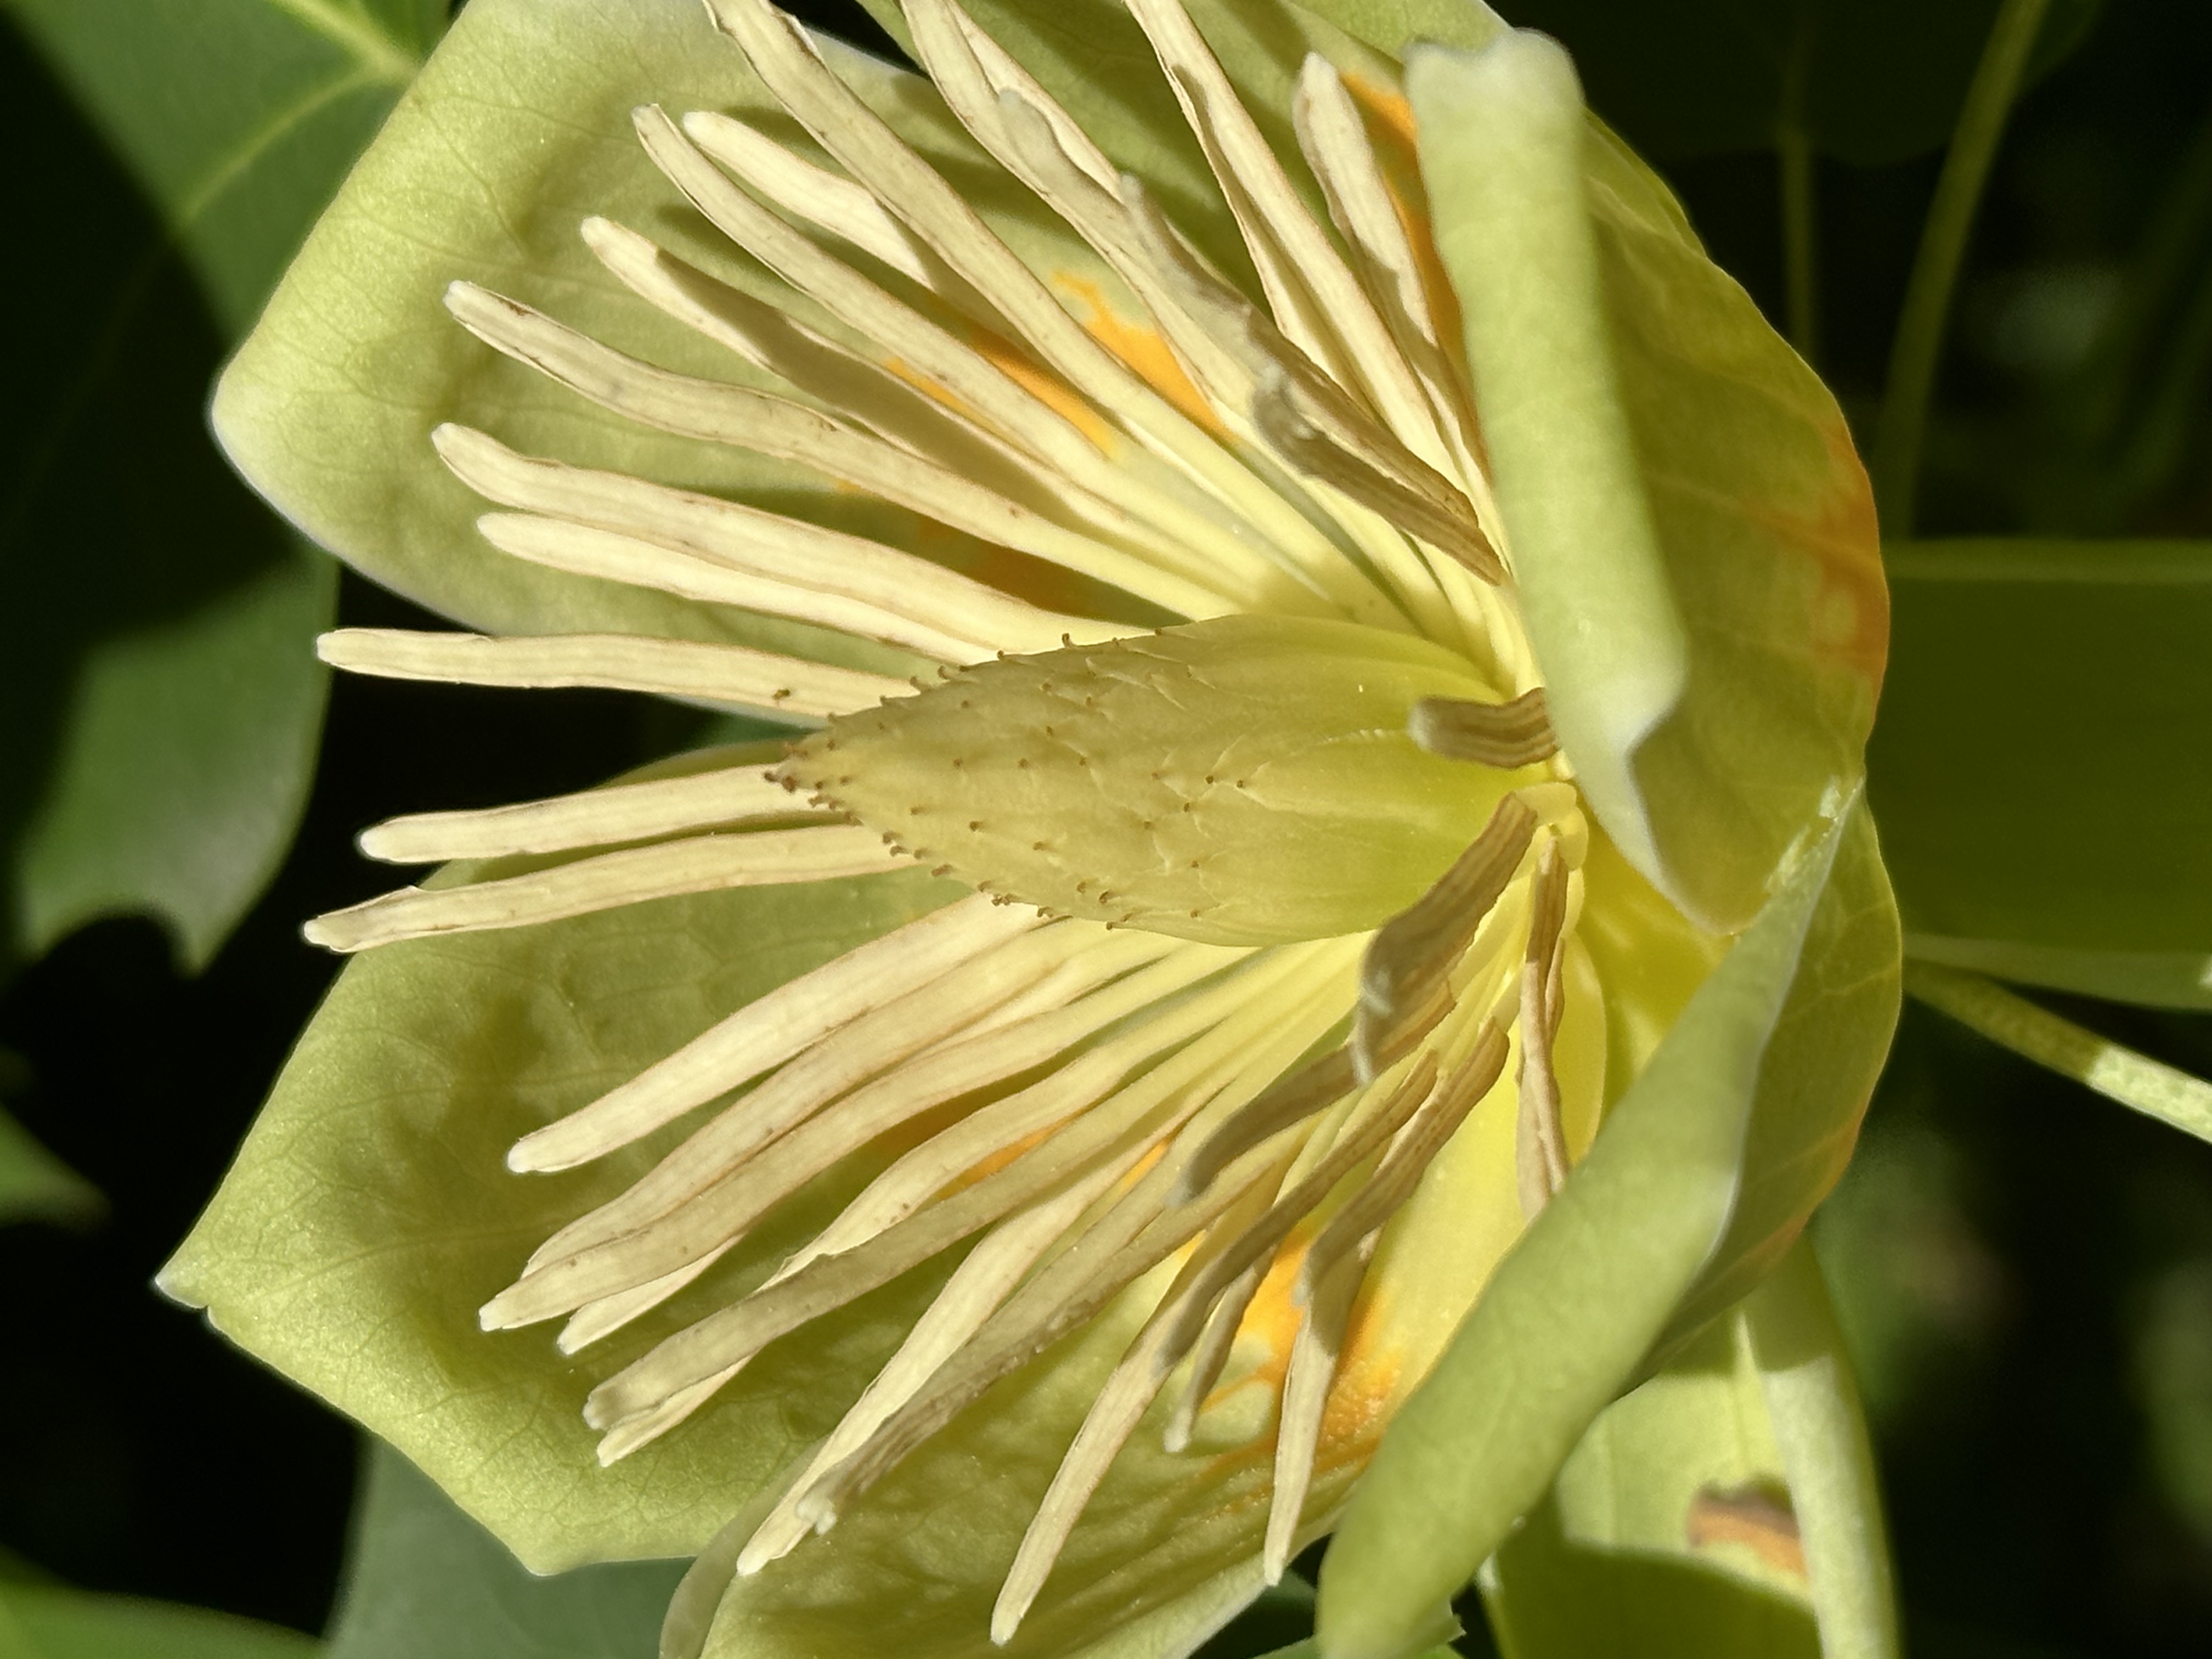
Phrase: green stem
(1813, 1403)
(1800, 240)
(1936, 269)
(2114, 1070)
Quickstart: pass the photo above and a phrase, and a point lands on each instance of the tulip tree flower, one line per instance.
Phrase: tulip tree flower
(1319, 923)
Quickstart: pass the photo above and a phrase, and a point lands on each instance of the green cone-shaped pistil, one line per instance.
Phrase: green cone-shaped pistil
(1247, 781)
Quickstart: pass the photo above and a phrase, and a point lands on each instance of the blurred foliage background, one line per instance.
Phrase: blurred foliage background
(2025, 1271)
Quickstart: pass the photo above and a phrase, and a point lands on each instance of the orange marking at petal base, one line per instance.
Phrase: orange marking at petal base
(1851, 618)
(1391, 129)
(1144, 349)
(929, 388)
(1271, 1317)
(1753, 1516)
(1045, 387)
(1368, 1376)
(997, 1161)
(1388, 105)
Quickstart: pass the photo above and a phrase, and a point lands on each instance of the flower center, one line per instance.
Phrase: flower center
(1250, 780)
(1268, 899)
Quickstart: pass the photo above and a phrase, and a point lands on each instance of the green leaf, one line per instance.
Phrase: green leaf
(1669, 1533)
(370, 1213)
(1692, 536)
(425, 1582)
(237, 117)
(1867, 80)
(184, 757)
(47, 1622)
(2039, 772)
(1700, 1181)
(167, 701)
(35, 1185)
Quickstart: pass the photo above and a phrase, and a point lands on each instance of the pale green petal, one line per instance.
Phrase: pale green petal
(370, 1212)
(1691, 533)
(518, 129)
(1668, 1535)
(1391, 26)
(2041, 770)
(1703, 1174)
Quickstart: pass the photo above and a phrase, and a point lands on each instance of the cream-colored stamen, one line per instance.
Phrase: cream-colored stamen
(823, 199)
(1412, 1151)
(1211, 1077)
(1306, 1383)
(785, 550)
(583, 550)
(768, 1030)
(1445, 522)
(1333, 138)
(908, 187)
(597, 817)
(1247, 1231)
(1017, 445)
(786, 687)
(1317, 301)
(1114, 1412)
(983, 1279)
(787, 430)
(708, 1192)
(700, 864)
(1540, 1140)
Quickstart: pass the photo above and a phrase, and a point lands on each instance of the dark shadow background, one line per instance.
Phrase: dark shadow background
(2026, 1270)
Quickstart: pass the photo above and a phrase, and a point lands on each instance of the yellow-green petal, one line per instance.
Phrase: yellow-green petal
(1700, 1181)
(1691, 532)
(371, 1212)
(517, 130)
(1669, 1533)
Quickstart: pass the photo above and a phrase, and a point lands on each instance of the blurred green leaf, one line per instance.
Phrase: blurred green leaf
(1866, 81)
(1916, 1284)
(2173, 1355)
(35, 1185)
(425, 1582)
(47, 1622)
(1683, 1200)
(2040, 771)
(165, 700)
(238, 118)
(1669, 1533)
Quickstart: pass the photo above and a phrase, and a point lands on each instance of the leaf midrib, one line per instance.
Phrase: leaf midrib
(375, 51)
